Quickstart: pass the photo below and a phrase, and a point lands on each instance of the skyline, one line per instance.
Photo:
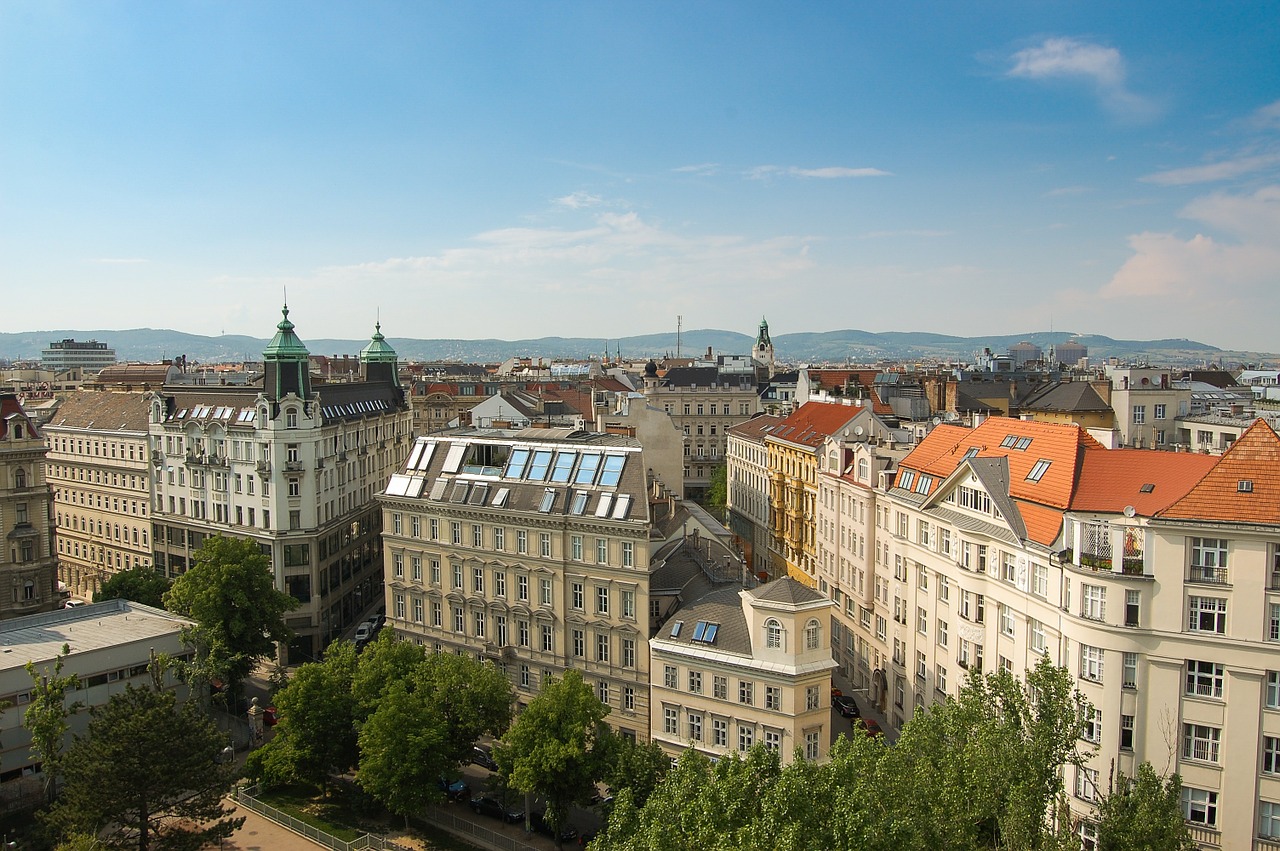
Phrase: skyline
(602, 168)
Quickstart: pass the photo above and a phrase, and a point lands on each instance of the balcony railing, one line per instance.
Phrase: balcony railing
(1215, 575)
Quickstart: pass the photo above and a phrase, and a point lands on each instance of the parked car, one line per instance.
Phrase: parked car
(846, 706)
(869, 726)
(270, 716)
(364, 632)
(835, 692)
(487, 806)
(538, 820)
(482, 755)
(455, 790)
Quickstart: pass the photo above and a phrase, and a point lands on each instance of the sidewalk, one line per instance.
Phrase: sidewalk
(262, 834)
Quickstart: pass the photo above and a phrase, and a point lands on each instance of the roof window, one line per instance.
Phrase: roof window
(1038, 471)
(1244, 486)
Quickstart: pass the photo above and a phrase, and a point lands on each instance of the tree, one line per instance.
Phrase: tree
(316, 735)
(473, 699)
(558, 747)
(147, 775)
(384, 662)
(231, 595)
(139, 584)
(46, 717)
(718, 490)
(1143, 812)
(404, 751)
(635, 766)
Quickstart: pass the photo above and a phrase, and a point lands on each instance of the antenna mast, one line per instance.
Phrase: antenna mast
(679, 326)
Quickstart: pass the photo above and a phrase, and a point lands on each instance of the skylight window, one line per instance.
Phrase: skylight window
(479, 493)
(1038, 471)
(675, 629)
(438, 489)
(541, 463)
(500, 498)
(1244, 486)
(516, 463)
(587, 469)
(621, 506)
(548, 500)
(459, 494)
(425, 460)
(1009, 441)
(415, 456)
(1147, 488)
(1023, 443)
(705, 632)
(453, 461)
(612, 472)
(908, 477)
(972, 451)
(606, 501)
(579, 504)
(564, 467)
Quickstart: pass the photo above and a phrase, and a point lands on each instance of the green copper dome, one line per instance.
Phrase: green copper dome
(378, 350)
(285, 345)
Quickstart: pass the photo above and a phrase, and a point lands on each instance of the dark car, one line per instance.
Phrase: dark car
(846, 706)
(482, 756)
(455, 790)
(538, 821)
(487, 806)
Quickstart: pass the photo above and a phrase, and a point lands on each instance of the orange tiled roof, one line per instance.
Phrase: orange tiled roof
(1112, 479)
(1044, 524)
(756, 428)
(1253, 458)
(831, 379)
(813, 422)
(930, 454)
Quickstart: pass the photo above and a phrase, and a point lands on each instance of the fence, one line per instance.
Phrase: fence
(246, 798)
(442, 818)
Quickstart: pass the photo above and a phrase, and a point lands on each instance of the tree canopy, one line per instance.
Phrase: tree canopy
(139, 584)
(1143, 812)
(46, 717)
(147, 775)
(558, 747)
(230, 593)
(980, 771)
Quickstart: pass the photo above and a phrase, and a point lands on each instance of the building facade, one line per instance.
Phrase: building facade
(27, 563)
(748, 484)
(531, 549)
(740, 667)
(67, 354)
(99, 469)
(291, 466)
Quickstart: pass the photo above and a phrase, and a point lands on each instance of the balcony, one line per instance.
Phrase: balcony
(1210, 575)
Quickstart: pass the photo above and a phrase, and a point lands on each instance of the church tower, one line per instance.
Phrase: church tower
(762, 351)
(379, 360)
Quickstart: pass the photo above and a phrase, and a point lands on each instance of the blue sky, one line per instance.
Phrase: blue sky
(594, 169)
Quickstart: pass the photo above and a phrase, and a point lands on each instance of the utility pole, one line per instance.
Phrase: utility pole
(679, 326)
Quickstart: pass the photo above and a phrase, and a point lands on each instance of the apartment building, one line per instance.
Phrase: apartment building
(531, 549)
(99, 469)
(1146, 401)
(27, 562)
(739, 667)
(748, 479)
(291, 466)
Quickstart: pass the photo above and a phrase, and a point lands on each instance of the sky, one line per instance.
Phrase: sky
(596, 169)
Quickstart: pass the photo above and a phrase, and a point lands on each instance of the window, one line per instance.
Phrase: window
(1090, 663)
(695, 726)
(746, 692)
(397, 565)
(548, 639)
(1007, 625)
(1040, 580)
(746, 737)
(1200, 741)
(1207, 614)
(1200, 806)
(477, 580)
(1126, 732)
(577, 596)
(628, 603)
(544, 589)
(669, 677)
(602, 550)
(1273, 690)
(1204, 679)
(1091, 730)
(628, 652)
(1132, 607)
(455, 532)
(1139, 414)
(670, 720)
(522, 542)
(1269, 820)
(478, 619)
(1160, 412)
(1038, 471)
(773, 698)
(811, 698)
(628, 554)
(1273, 624)
(457, 576)
(544, 544)
(1129, 665)
(944, 589)
(602, 647)
(1036, 637)
(922, 621)
(629, 698)
(1087, 784)
(458, 624)
(1271, 755)
(772, 739)
(719, 732)
(499, 583)
(922, 665)
(1093, 602)
(575, 547)
(942, 632)
(522, 588)
(773, 634)
(499, 538)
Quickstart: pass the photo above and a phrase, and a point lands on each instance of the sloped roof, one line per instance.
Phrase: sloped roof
(11, 409)
(813, 422)
(755, 428)
(1065, 397)
(722, 607)
(1253, 458)
(839, 379)
(786, 590)
(1112, 479)
(103, 410)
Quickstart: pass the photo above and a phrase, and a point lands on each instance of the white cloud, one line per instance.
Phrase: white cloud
(705, 169)
(761, 172)
(1102, 67)
(1266, 117)
(578, 200)
(1224, 170)
(1186, 285)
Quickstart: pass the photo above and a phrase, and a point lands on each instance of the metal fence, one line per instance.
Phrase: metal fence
(442, 818)
(247, 798)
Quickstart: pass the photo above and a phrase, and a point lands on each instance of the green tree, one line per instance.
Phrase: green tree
(404, 751)
(316, 735)
(230, 593)
(558, 747)
(46, 717)
(384, 662)
(1143, 812)
(147, 775)
(139, 584)
(472, 698)
(718, 491)
(637, 766)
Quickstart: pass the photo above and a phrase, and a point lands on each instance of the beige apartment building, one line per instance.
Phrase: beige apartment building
(530, 549)
(27, 563)
(748, 481)
(99, 469)
(740, 667)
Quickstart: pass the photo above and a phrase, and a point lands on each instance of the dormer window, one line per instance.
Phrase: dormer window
(773, 636)
(1244, 486)
(291, 418)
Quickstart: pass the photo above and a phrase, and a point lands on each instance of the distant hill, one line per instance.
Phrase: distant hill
(849, 346)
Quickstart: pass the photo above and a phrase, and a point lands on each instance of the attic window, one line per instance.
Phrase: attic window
(1147, 488)
(907, 477)
(923, 485)
(579, 503)
(1244, 486)
(705, 632)
(675, 629)
(1023, 443)
(1038, 471)
(1009, 440)
(548, 500)
(972, 451)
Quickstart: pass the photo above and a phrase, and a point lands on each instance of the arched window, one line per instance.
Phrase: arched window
(19, 478)
(773, 638)
(864, 469)
(812, 635)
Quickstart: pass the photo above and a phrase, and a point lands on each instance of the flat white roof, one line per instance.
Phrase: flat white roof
(99, 626)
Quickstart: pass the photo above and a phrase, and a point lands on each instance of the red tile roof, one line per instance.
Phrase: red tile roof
(756, 428)
(813, 422)
(831, 379)
(1112, 479)
(1253, 458)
